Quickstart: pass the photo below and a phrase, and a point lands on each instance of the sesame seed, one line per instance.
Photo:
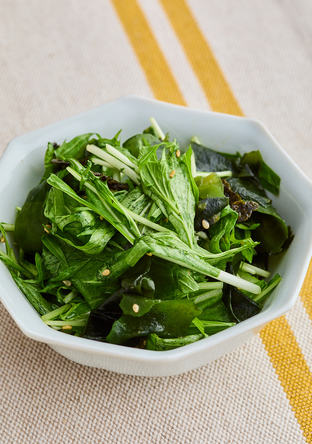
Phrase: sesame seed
(205, 224)
(135, 308)
(47, 231)
(149, 254)
(166, 220)
(67, 283)
(67, 327)
(172, 173)
(48, 226)
(178, 153)
(105, 272)
(2, 239)
(101, 218)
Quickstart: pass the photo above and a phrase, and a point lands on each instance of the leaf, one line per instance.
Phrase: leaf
(217, 312)
(167, 182)
(136, 143)
(30, 220)
(220, 233)
(144, 279)
(209, 186)
(208, 212)
(53, 246)
(48, 165)
(250, 189)
(272, 231)
(168, 318)
(210, 160)
(75, 148)
(268, 178)
(154, 342)
(76, 224)
(34, 297)
(86, 272)
(212, 327)
(101, 200)
(169, 247)
(240, 305)
(136, 306)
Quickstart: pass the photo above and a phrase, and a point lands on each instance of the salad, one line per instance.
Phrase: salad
(145, 243)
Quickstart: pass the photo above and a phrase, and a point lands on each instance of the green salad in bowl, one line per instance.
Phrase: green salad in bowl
(146, 243)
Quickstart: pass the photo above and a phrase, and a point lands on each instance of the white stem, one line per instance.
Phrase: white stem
(102, 162)
(147, 222)
(202, 235)
(219, 173)
(195, 139)
(254, 270)
(157, 129)
(115, 163)
(238, 282)
(193, 165)
(116, 175)
(121, 157)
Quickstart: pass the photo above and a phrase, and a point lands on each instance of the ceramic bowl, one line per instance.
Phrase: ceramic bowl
(21, 167)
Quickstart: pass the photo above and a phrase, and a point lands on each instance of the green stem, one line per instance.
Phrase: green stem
(70, 296)
(55, 313)
(8, 227)
(210, 285)
(76, 323)
(259, 298)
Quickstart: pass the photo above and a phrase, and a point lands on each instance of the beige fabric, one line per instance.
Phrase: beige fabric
(58, 58)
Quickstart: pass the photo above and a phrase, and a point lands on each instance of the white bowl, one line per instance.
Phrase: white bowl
(21, 168)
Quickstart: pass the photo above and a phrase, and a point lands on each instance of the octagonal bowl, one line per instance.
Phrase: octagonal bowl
(21, 168)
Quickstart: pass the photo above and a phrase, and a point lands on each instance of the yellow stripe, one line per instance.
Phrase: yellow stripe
(277, 337)
(157, 71)
(200, 56)
(292, 370)
(306, 292)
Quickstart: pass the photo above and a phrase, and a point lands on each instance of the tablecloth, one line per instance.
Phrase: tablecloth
(62, 57)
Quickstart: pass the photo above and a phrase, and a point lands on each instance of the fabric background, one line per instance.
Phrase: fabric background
(62, 57)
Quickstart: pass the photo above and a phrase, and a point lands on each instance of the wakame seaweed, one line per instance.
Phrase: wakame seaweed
(146, 243)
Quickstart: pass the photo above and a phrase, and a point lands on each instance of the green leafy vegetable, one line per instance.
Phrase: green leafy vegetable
(142, 243)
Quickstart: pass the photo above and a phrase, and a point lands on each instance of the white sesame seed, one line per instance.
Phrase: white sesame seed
(205, 224)
(67, 283)
(135, 308)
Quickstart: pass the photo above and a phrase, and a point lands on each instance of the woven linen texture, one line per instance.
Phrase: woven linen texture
(61, 58)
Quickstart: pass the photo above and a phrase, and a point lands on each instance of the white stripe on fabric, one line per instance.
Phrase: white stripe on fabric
(174, 54)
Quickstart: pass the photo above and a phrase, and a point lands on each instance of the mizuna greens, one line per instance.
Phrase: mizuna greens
(146, 244)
